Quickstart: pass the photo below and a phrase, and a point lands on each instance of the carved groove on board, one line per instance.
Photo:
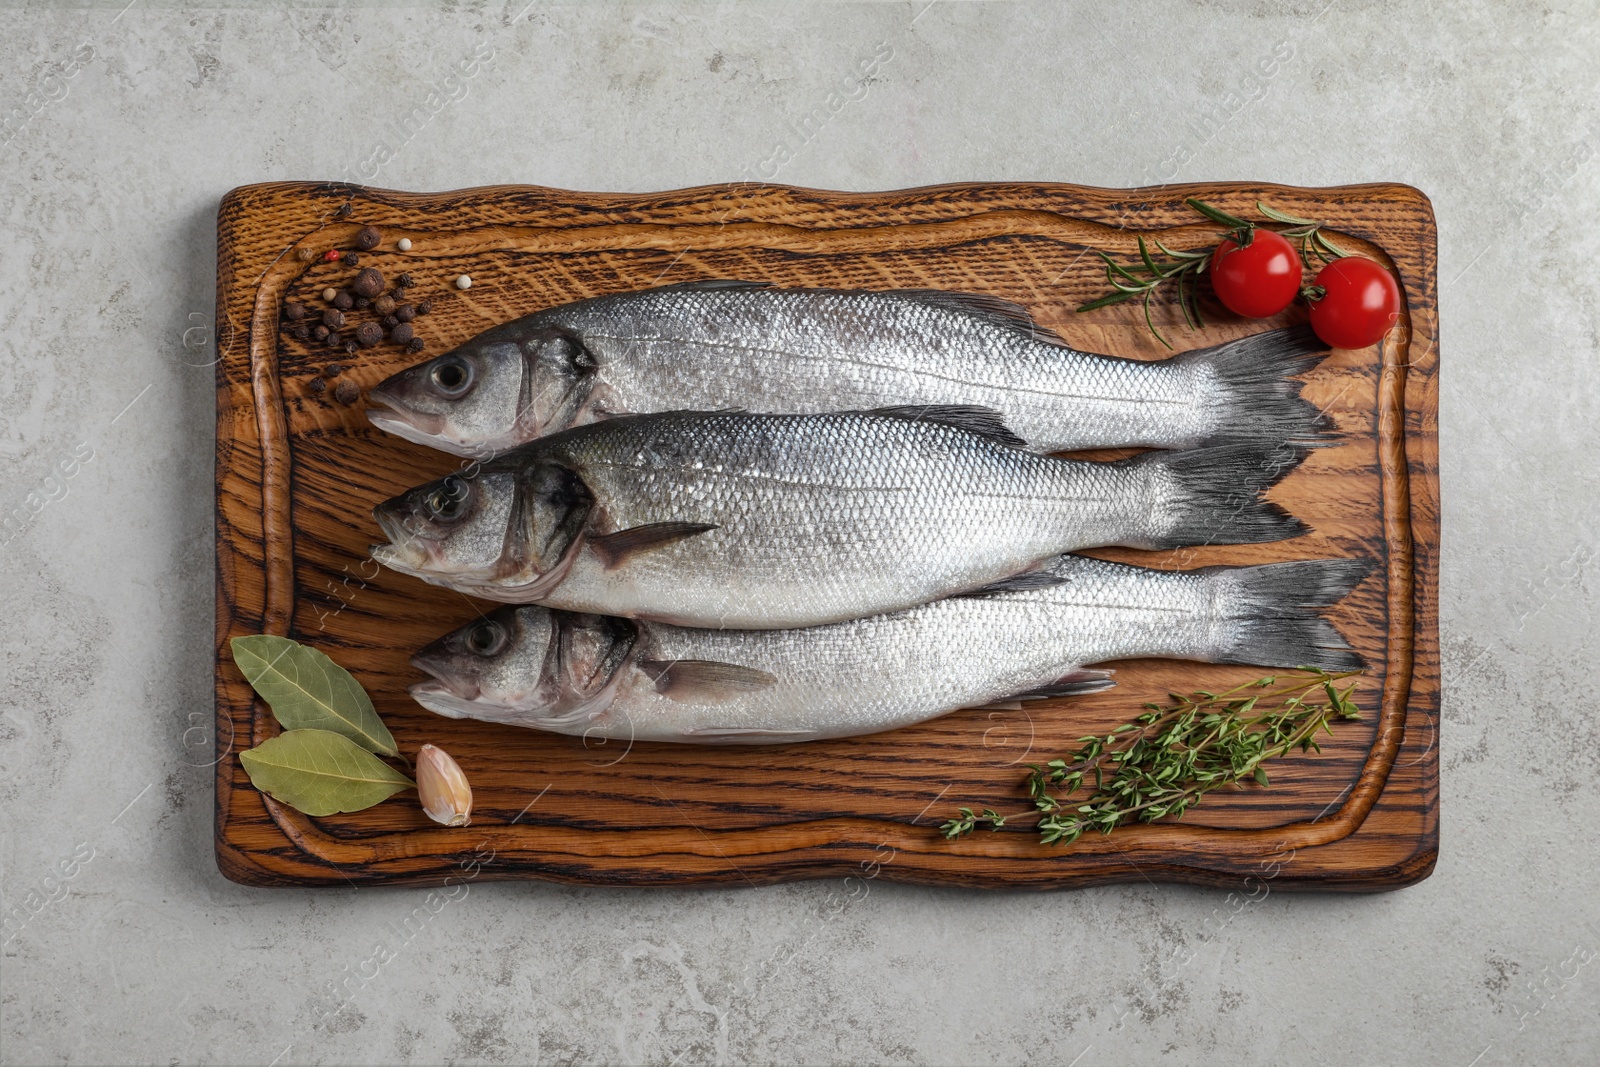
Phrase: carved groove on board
(830, 845)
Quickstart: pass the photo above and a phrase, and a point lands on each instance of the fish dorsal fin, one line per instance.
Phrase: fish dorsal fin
(985, 422)
(993, 309)
(615, 549)
(715, 284)
(704, 681)
(1018, 583)
(1071, 684)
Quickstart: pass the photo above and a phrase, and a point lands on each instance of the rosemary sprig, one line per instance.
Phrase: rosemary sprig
(1165, 761)
(1308, 232)
(1141, 279)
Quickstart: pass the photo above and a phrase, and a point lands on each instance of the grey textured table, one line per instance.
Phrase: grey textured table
(123, 944)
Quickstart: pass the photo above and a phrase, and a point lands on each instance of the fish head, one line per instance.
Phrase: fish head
(499, 390)
(528, 666)
(466, 401)
(449, 531)
(506, 530)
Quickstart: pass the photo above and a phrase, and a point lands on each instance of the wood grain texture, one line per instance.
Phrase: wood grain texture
(298, 473)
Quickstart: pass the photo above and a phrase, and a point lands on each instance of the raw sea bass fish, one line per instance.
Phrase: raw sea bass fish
(720, 345)
(730, 520)
(606, 677)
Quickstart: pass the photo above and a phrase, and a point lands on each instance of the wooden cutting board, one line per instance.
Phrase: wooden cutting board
(298, 472)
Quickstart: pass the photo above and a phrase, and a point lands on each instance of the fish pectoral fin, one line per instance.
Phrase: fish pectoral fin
(746, 735)
(615, 549)
(1071, 684)
(704, 681)
(1017, 583)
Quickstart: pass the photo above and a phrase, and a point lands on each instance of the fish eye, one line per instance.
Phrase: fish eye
(452, 376)
(449, 502)
(486, 638)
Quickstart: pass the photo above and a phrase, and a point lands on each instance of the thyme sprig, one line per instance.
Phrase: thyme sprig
(1166, 760)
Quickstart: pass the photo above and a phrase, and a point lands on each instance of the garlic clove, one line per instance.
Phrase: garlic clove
(442, 786)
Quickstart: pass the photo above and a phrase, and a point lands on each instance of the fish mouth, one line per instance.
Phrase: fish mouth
(440, 699)
(416, 427)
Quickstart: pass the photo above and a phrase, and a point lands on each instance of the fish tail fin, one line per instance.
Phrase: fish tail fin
(1268, 616)
(1215, 496)
(1254, 395)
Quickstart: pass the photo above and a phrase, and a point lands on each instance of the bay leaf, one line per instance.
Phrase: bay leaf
(321, 772)
(308, 691)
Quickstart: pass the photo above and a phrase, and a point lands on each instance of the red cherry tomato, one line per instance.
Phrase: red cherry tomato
(1258, 280)
(1361, 302)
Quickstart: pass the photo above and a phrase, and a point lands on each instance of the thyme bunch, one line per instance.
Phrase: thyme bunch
(1166, 760)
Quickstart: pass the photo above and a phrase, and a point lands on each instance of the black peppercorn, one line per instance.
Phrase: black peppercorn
(332, 318)
(369, 283)
(343, 300)
(368, 239)
(404, 281)
(351, 258)
(369, 334)
(405, 312)
(362, 303)
(320, 332)
(346, 392)
(402, 334)
(334, 340)
(389, 322)
(332, 370)
(425, 307)
(344, 210)
(301, 332)
(351, 347)
(316, 385)
(415, 345)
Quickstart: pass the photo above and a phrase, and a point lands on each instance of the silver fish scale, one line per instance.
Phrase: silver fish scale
(820, 350)
(824, 518)
(891, 670)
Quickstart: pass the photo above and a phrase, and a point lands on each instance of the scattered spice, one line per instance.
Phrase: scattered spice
(332, 318)
(405, 312)
(305, 255)
(351, 347)
(316, 385)
(352, 258)
(415, 345)
(329, 293)
(333, 340)
(402, 334)
(425, 307)
(294, 310)
(362, 303)
(330, 255)
(332, 370)
(404, 244)
(404, 282)
(384, 305)
(369, 334)
(301, 332)
(389, 322)
(344, 211)
(368, 239)
(320, 332)
(343, 300)
(463, 282)
(369, 283)
(346, 392)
